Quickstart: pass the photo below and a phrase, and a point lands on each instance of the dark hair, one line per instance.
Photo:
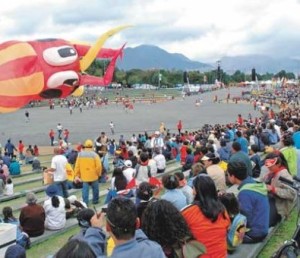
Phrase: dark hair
(238, 169)
(179, 175)
(255, 148)
(238, 133)
(163, 223)
(55, 201)
(121, 216)
(7, 213)
(75, 249)
(144, 192)
(120, 179)
(207, 198)
(280, 159)
(9, 181)
(231, 203)
(84, 217)
(236, 146)
(144, 156)
(287, 140)
(170, 182)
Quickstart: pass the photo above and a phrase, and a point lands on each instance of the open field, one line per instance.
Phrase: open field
(145, 117)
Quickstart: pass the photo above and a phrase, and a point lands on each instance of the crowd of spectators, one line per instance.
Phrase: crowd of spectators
(190, 206)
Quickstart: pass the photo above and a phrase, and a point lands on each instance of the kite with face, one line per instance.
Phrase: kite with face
(50, 68)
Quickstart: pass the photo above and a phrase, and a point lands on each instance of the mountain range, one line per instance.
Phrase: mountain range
(147, 57)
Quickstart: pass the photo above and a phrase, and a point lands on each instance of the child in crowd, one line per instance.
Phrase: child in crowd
(22, 238)
(238, 225)
(9, 187)
(36, 151)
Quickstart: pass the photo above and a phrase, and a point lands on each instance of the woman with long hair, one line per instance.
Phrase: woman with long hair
(55, 209)
(207, 217)
(163, 223)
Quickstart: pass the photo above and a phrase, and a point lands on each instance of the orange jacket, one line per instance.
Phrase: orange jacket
(212, 234)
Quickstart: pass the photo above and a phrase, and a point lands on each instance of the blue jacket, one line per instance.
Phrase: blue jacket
(96, 239)
(138, 247)
(254, 204)
(14, 168)
(176, 197)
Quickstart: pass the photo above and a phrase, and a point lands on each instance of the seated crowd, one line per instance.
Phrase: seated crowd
(193, 208)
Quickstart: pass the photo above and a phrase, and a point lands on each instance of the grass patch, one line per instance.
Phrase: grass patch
(284, 232)
(52, 245)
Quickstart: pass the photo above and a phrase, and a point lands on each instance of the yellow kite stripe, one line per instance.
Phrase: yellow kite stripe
(16, 51)
(24, 86)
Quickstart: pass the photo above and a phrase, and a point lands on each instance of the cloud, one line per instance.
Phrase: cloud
(205, 31)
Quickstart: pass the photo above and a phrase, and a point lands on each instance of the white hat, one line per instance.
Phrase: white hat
(157, 132)
(72, 198)
(128, 163)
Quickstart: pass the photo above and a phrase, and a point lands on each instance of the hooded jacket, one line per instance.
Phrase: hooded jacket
(254, 204)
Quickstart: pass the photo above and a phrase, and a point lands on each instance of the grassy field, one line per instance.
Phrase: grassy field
(284, 232)
(53, 244)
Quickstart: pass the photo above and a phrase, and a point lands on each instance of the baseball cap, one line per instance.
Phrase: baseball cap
(128, 163)
(88, 143)
(52, 190)
(209, 156)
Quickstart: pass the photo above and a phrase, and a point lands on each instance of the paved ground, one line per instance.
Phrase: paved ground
(145, 117)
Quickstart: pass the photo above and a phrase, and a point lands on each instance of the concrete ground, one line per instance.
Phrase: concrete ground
(145, 117)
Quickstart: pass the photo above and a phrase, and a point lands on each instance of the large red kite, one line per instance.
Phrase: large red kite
(50, 68)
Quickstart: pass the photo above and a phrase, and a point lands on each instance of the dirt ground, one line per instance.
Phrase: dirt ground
(145, 117)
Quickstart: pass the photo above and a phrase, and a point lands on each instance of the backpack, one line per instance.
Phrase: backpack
(236, 232)
(190, 249)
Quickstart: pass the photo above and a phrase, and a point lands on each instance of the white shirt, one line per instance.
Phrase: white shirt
(160, 161)
(59, 163)
(55, 217)
(157, 142)
(9, 189)
(128, 173)
(153, 167)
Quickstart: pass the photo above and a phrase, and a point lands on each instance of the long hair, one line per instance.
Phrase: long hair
(55, 201)
(163, 223)
(120, 179)
(207, 198)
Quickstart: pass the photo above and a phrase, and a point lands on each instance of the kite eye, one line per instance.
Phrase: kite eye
(59, 56)
(69, 78)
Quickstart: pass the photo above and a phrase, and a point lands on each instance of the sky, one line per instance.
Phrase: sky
(202, 30)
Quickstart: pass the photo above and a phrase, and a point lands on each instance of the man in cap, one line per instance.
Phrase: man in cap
(88, 169)
(128, 171)
(157, 141)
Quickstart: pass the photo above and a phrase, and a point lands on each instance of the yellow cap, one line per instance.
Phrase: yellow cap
(88, 144)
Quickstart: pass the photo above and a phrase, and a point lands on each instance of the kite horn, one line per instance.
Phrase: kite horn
(90, 56)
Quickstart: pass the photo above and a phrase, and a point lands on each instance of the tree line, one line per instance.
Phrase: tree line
(171, 78)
